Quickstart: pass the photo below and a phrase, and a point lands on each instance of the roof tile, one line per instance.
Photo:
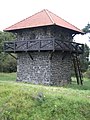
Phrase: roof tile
(43, 18)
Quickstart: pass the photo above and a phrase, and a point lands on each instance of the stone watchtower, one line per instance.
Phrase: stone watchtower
(44, 48)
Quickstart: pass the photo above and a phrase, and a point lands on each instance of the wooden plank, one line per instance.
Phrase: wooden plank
(79, 70)
(75, 68)
(50, 44)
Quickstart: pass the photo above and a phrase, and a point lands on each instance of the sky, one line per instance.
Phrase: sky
(74, 11)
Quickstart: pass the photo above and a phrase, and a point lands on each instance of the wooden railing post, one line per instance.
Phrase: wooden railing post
(14, 46)
(44, 44)
(53, 44)
(26, 46)
(39, 45)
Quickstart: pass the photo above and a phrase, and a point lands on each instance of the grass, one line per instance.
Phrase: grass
(7, 76)
(85, 86)
(22, 101)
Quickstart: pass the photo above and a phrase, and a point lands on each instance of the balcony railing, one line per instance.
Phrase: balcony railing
(43, 45)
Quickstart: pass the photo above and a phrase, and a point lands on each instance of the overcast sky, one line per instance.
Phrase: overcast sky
(73, 11)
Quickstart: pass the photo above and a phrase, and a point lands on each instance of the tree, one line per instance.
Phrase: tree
(86, 29)
(85, 57)
(7, 63)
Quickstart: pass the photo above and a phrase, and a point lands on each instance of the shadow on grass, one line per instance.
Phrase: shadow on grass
(85, 86)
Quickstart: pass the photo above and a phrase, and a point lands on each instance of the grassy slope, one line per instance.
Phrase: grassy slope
(7, 77)
(21, 101)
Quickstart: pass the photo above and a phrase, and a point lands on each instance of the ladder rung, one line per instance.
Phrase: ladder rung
(77, 68)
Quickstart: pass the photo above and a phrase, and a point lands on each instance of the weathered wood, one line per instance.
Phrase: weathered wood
(42, 45)
(12, 56)
(77, 69)
(30, 55)
(50, 55)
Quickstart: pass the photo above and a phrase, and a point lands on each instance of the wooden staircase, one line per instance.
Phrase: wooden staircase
(77, 68)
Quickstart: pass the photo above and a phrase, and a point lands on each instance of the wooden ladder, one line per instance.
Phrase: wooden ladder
(77, 68)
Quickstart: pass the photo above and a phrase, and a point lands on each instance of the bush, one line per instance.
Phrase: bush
(8, 64)
(87, 74)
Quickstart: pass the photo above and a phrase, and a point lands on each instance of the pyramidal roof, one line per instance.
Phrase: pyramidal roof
(43, 18)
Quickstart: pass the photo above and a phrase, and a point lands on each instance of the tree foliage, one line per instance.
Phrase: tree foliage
(7, 63)
(86, 29)
(85, 58)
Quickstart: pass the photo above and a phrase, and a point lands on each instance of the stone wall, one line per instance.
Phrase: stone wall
(37, 70)
(61, 67)
(42, 69)
(44, 32)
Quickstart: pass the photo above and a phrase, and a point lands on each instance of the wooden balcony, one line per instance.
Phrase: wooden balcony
(50, 44)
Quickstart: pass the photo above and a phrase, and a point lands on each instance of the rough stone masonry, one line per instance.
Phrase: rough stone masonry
(42, 69)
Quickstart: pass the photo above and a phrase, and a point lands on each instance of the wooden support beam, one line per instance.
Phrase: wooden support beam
(50, 55)
(79, 71)
(64, 55)
(75, 68)
(30, 55)
(12, 56)
(73, 35)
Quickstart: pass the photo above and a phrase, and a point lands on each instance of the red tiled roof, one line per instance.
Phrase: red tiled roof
(42, 18)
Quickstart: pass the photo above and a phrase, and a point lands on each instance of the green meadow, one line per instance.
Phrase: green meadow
(23, 101)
